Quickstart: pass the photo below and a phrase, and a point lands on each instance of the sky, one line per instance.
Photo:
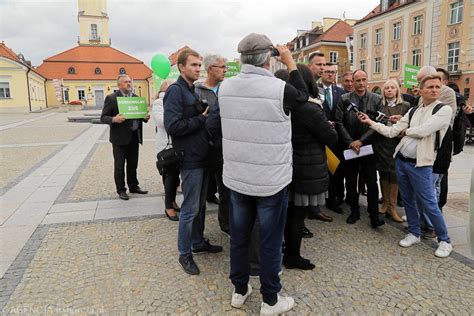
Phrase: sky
(42, 28)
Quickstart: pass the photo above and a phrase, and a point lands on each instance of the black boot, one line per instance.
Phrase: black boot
(376, 220)
(353, 217)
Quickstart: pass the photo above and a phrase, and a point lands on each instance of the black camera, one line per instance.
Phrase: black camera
(201, 105)
(275, 52)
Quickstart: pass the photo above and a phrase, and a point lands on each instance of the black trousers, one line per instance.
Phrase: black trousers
(224, 200)
(126, 154)
(443, 194)
(366, 167)
(170, 182)
(294, 230)
(336, 184)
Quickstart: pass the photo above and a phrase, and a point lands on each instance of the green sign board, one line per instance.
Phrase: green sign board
(132, 107)
(233, 69)
(409, 77)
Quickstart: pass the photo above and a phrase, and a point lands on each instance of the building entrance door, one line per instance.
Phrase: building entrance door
(99, 98)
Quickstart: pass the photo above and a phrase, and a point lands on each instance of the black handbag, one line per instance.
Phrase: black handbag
(167, 158)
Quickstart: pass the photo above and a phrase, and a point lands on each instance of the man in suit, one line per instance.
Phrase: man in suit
(331, 94)
(125, 135)
(353, 136)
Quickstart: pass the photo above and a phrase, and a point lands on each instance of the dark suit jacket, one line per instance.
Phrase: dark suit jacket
(120, 134)
(336, 96)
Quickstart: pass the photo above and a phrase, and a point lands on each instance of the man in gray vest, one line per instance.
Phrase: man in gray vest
(256, 139)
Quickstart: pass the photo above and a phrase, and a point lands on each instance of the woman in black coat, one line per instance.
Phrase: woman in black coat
(311, 131)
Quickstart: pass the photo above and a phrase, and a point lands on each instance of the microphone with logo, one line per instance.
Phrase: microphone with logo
(374, 115)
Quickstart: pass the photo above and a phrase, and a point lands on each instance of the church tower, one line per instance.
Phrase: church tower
(93, 23)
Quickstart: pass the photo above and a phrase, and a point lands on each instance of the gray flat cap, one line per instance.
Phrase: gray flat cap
(254, 44)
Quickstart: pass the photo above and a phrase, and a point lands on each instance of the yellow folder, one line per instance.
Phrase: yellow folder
(333, 161)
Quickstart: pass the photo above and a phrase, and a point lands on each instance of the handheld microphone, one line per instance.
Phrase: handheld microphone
(349, 106)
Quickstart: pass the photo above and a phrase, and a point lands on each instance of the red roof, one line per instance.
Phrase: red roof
(174, 56)
(377, 11)
(336, 33)
(8, 53)
(85, 59)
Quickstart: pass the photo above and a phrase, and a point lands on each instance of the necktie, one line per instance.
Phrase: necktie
(328, 97)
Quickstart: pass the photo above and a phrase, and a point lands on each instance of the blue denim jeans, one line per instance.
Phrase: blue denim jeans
(271, 212)
(424, 219)
(192, 216)
(417, 187)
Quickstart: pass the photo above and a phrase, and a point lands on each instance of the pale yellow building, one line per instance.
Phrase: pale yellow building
(88, 72)
(22, 88)
(417, 32)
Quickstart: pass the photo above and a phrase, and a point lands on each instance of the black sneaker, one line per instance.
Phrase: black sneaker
(188, 265)
(206, 247)
(353, 217)
(123, 196)
(307, 233)
(376, 221)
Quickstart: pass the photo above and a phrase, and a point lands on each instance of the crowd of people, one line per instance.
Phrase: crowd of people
(262, 138)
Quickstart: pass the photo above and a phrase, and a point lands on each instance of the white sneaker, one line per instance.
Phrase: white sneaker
(409, 240)
(284, 304)
(404, 218)
(238, 299)
(444, 249)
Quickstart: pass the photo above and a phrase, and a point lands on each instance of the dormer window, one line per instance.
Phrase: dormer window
(94, 35)
(122, 71)
(97, 71)
(71, 71)
(383, 5)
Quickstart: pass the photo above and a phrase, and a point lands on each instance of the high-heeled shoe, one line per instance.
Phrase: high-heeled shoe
(173, 218)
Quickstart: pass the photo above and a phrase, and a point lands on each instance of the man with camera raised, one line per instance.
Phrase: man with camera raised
(185, 118)
(256, 137)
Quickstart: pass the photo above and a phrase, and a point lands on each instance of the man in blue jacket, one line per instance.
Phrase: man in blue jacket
(184, 119)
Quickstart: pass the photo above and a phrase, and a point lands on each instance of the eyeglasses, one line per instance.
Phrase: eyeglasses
(221, 67)
(329, 72)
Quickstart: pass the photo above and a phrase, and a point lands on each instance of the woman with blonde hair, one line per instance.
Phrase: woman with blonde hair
(393, 107)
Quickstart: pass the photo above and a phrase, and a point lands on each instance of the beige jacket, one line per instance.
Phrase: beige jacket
(423, 127)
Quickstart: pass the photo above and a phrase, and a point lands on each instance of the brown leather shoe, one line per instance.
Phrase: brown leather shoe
(323, 217)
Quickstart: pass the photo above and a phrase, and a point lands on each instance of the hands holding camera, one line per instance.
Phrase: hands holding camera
(286, 57)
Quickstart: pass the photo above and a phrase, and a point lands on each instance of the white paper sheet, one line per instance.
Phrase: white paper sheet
(364, 151)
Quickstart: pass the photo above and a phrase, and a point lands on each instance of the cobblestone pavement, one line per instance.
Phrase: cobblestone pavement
(42, 134)
(20, 160)
(96, 180)
(129, 266)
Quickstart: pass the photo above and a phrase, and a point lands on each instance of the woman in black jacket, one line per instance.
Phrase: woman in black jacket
(311, 131)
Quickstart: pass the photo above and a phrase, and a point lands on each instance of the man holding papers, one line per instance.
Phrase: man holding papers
(353, 134)
(125, 134)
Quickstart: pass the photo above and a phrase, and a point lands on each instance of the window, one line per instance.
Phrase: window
(417, 25)
(395, 62)
(307, 40)
(416, 59)
(362, 65)
(94, 31)
(467, 91)
(122, 71)
(71, 71)
(302, 42)
(97, 71)
(81, 94)
(384, 6)
(363, 40)
(378, 36)
(397, 31)
(453, 56)
(352, 58)
(456, 12)
(333, 57)
(4, 90)
(378, 64)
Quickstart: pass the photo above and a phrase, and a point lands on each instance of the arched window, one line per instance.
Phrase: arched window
(98, 71)
(122, 71)
(71, 71)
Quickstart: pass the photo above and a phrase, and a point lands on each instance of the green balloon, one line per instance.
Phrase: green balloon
(161, 66)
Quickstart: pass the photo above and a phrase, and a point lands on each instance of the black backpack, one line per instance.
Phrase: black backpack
(443, 150)
(459, 126)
